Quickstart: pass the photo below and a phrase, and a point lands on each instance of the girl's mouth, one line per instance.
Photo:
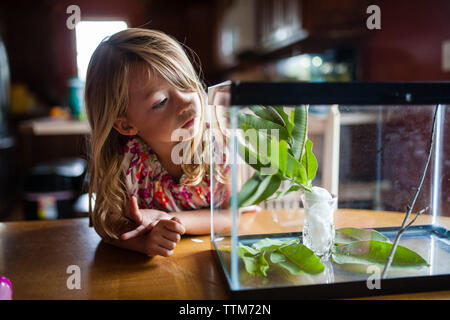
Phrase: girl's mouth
(189, 123)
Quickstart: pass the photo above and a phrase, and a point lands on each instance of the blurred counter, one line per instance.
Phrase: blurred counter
(49, 126)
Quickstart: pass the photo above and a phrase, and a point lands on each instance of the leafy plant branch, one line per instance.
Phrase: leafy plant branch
(284, 156)
(289, 153)
(410, 207)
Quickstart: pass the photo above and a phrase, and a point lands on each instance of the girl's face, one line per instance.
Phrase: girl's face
(158, 112)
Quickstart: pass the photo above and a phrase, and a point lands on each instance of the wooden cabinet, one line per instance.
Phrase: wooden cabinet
(260, 27)
(237, 30)
(335, 18)
(283, 22)
(280, 23)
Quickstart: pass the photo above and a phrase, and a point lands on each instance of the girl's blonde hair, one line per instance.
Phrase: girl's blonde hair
(107, 97)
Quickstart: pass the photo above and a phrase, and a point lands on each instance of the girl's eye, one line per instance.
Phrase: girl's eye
(160, 104)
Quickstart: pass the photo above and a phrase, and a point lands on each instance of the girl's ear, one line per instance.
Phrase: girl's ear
(122, 126)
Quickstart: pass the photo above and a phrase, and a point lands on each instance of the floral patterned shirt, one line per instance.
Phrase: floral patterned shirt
(155, 188)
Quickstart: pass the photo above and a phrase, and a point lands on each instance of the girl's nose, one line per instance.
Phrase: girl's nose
(184, 101)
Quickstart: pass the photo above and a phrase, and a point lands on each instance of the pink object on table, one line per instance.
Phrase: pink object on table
(6, 291)
(252, 208)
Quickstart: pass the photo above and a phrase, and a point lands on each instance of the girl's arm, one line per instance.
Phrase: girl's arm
(198, 222)
(195, 222)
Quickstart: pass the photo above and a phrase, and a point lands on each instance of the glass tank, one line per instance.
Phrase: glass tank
(367, 154)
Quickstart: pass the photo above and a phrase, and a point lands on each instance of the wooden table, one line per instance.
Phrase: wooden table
(35, 256)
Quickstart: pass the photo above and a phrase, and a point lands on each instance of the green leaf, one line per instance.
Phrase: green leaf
(254, 261)
(294, 169)
(300, 174)
(267, 113)
(249, 188)
(280, 110)
(256, 265)
(246, 250)
(289, 254)
(278, 155)
(299, 131)
(254, 257)
(273, 186)
(280, 259)
(266, 188)
(255, 160)
(283, 150)
(251, 121)
(262, 112)
(260, 143)
(292, 116)
(277, 151)
(297, 258)
(374, 251)
(292, 188)
(309, 161)
(348, 235)
(272, 244)
(291, 120)
(258, 192)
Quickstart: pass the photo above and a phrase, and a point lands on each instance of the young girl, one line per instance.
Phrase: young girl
(141, 88)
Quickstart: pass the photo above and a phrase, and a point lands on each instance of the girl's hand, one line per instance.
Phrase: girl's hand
(145, 218)
(164, 237)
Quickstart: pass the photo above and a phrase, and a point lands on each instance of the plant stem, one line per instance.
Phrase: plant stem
(410, 207)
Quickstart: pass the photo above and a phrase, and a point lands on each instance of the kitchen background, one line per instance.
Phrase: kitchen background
(43, 131)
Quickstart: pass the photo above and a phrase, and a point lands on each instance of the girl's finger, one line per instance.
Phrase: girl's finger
(176, 219)
(136, 212)
(132, 234)
(172, 236)
(140, 230)
(174, 227)
(132, 210)
(166, 243)
(128, 207)
(161, 251)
